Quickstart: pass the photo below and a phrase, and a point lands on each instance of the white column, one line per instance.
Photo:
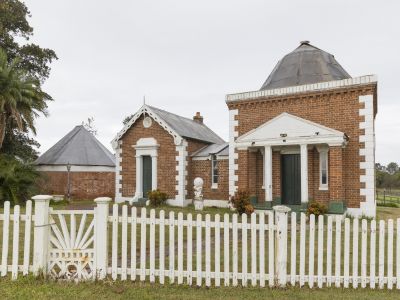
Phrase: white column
(41, 233)
(154, 172)
(139, 183)
(268, 173)
(304, 173)
(100, 232)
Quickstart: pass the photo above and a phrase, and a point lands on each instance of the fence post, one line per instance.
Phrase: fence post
(281, 219)
(41, 233)
(101, 236)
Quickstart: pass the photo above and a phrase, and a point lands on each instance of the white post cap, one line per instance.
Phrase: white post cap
(281, 209)
(39, 198)
(102, 200)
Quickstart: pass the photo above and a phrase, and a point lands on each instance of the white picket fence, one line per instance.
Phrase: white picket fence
(274, 249)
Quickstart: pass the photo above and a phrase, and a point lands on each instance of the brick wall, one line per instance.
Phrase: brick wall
(166, 162)
(192, 147)
(83, 185)
(202, 168)
(337, 109)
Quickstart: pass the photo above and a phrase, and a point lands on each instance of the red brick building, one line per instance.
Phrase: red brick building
(306, 135)
(91, 167)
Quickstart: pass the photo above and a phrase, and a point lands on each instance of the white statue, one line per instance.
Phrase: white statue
(198, 193)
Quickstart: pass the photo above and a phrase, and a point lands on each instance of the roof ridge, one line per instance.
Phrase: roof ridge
(175, 114)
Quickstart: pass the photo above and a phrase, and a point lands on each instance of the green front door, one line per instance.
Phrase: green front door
(291, 180)
(146, 175)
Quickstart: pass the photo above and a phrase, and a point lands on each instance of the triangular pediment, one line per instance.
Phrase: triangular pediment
(288, 126)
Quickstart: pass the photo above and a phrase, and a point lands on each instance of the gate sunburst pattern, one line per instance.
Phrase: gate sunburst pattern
(71, 249)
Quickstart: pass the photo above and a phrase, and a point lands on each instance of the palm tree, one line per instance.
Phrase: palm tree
(21, 98)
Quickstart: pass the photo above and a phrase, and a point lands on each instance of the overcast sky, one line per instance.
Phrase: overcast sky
(185, 56)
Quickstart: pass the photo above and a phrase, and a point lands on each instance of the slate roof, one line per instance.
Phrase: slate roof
(78, 147)
(188, 128)
(307, 64)
(219, 149)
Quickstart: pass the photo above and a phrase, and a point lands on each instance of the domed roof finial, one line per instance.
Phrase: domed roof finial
(304, 42)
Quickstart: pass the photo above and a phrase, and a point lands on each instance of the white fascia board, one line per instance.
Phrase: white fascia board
(330, 85)
(146, 109)
(338, 140)
(74, 168)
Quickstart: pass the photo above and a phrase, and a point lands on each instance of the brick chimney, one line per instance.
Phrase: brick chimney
(198, 118)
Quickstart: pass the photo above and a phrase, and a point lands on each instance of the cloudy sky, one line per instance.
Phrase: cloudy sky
(185, 56)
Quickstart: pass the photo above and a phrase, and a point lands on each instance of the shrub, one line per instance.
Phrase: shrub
(17, 180)
(241, 201)
(316, 209)
(157, 197)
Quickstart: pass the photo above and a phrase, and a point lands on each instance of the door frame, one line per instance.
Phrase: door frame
(297, 182)
(145, 147)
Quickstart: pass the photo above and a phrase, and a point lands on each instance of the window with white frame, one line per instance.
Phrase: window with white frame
(323, 169)
(214, 171)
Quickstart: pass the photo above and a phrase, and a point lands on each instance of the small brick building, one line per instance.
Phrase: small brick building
(306, 135)
(92, 167)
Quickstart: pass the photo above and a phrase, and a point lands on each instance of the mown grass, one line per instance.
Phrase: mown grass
(33, 288)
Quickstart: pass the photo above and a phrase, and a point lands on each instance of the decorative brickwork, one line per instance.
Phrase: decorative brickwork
(166, 166)
(340, 109)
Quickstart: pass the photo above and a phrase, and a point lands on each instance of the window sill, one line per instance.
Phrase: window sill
(323, 188)
(214, 186)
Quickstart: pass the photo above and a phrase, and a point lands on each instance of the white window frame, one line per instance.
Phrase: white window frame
(214, 160)
(323, 152)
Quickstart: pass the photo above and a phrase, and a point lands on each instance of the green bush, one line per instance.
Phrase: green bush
(241, 201)
(17, 180)
(317, 209)
(157, 197)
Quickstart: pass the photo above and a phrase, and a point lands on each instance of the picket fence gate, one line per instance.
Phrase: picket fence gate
(261, 249)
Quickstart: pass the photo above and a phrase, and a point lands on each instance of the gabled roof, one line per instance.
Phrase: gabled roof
(78, 147)
(307, 64)
(184, 127)
(289, 127)
(219, 149)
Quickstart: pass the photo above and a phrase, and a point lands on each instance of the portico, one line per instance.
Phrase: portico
(290, 142)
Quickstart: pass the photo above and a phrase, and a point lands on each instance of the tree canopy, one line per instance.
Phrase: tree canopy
(14, 27)
(31, 60)
(24, 66)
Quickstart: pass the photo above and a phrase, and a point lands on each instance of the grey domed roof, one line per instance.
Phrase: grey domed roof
(305, 65)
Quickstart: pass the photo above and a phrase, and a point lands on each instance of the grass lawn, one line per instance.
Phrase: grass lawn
(31, 288)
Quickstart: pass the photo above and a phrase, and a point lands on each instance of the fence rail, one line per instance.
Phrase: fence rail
(273, 249)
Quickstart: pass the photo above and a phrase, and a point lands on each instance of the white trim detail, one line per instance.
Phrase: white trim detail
(268, 173)
(118, 172)
(287, 129)
(367, 208)
(323, 150)
(146, 110)
(362, 80)
(145, 147)
(181, 176)
(219, 157)
(75, 168)
(233, 134)
(304, 172)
